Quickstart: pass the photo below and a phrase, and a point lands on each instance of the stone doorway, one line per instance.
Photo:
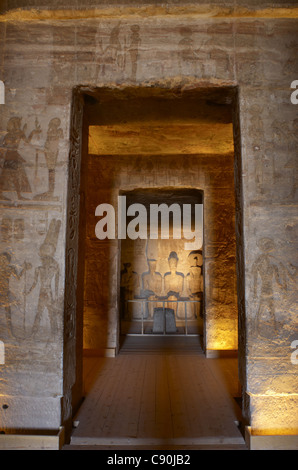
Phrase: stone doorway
(162, 278)
(118, 146)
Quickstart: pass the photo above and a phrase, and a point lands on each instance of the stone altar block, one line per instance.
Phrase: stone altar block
(164, 320)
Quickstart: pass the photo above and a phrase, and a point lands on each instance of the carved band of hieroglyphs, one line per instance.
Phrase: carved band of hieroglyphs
(294, 94)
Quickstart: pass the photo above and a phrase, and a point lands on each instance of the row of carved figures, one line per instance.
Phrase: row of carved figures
(46, 275)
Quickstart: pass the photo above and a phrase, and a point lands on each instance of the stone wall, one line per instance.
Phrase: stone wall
(41, 60)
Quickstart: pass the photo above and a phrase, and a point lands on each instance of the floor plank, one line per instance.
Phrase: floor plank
(146, 423)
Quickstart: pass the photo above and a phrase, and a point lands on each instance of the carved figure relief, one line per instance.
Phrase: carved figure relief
(45, 274)
(13, 176)
(51, 150)
(133, 49)
(188, 57)
(7, 298)
(112, 54)
(120, 52)
(267, 270)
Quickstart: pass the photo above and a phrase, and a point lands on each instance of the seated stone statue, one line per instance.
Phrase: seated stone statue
(194, 284)
(152, 286)
(173, 281)
(129, 287)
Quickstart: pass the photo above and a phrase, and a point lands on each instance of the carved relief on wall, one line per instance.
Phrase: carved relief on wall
(51, 151)
(24, 306)
(8, 300)
(45, 273)
(285, 137)
(188, 57)
(27, 164)
(201, 57)
(268, 275)
(120, 53)
(29, 271)
(13, 176)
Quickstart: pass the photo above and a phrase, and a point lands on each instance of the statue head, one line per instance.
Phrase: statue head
(173, 260)
(152, 264)
(195, 258)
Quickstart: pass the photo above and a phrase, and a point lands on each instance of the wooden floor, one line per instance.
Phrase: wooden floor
(159, 392)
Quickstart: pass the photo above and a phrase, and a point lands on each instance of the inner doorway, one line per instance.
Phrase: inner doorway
(168, 143)
(162, 281)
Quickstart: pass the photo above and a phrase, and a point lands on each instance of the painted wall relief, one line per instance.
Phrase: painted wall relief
(45, 273)
(202, 57)
(188, 57)
(7, 298)
(121, 53)
(268, 275)
(13, 176)
(23, 313)
(51, 151)
(26, 164)
(20, 176)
